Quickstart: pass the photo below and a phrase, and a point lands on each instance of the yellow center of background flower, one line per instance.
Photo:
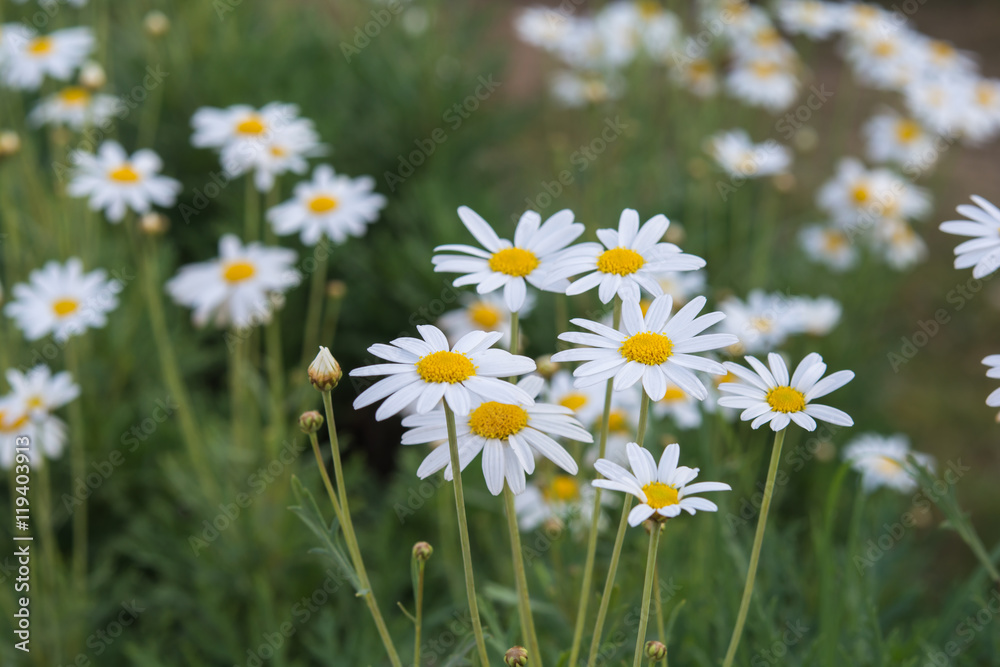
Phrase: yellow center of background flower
(674, 395)
(238, 271)
(860, 194)
(888, 466)
(35, 402)
(884, 49)
(251, 125)
(16, 424)
(786, 399)
(985, 95)
(660, 495)
(322, 204)
(617, 421)
(40, 46)
(563, 488)
(620, 261)
(647, 348)
(765, 69)
(907, 130)
(484, 315)
(64, 307)
(445, 366)
(516, 262)
(573, 400)
(833, 241)
(497, 420)
(124, 174)
(74, 95)
(700, 68)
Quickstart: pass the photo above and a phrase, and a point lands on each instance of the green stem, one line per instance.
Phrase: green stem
(588, 567)
(758, 540)
(463, 532)
(237, 383)
(251, 211)
(514, 335)
(660, 627)
(647, 589)
(524, 600)
(310, 335)
(78, 464)
(419, 622)
(326, 477)
(275, 381)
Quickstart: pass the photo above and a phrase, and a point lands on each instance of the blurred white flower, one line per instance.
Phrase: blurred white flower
(740, 157)
(761, 323)
(481, 312)
(857, 196)
(27, 57)
(883, 461)
(116, 182)
(815, 19)
(763, 82)
(899, 244)
(890, 137)
(829, 245)
(982, 251)
(75, 107)
(28, 410)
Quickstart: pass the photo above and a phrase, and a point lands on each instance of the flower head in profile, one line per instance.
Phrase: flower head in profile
(324, 371)
(426, 370)
(508, 435)
(62, 300)
(771, 396)
(764, 81)
(116, 182)
(27, 57)
(829, 245)
(558, 503)
(993, 364)
(734, 151)
(76, 108)
(481, 312)
(663, 490)
(28, 410)
(884, 461)
(656, 348)
(239, 287)
(330, 205)
(626, 261)
(982, 250)
(500, 263)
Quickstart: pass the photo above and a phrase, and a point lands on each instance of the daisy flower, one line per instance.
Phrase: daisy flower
(486, 312)
(541, 27)
(830, 246)
(884, 60)
(939, 103)
(682, 409)
(242, 125)
(281, 150)
(860, 196)
(574, 90)
(993, 363)
(899, 244)
(14, 423)
(116, 182)
(561, 501)
(761, 323)
(28, 57)
(41, 392)
(425, 371)
(625, 260)
(697, 75)
(812, 18)
(75, 107)
(770, 396)
(238, 288)
(682, 286)
(884, 461)
(508, 435)
(27, 410)
(740, 157)
(816, 317)
(330, 205)
(894, 138)
(763, 82)
(656, 349)
(982, 250)
(981, 120)
(62, 300)
(663, 490)
(587, 403)
(509, 265)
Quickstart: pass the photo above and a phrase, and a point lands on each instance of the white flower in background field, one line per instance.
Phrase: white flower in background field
(508, 435)
(884, 60)
(993, 362)
(116, 182)
(577, 90)
(741, 17)
(425, 371)
(330, 205)
(938, 57)
(982, 251)
(481, 312)
(698, 75)
(630, 258)
(587, 403)
(683, 409)
(761, 323)
(890, 137)
(869, 20)
(763, 82)
(663, 489)
(656, 349)
(62, 300)
(237, 289)
(763, 43)
(560, 502)
(900, 245)
(28, 409)
(542, 27)
(528, 259)
(981, 120)
(812, 18)
(40, 392)
(29, 57)
(682, 286)
(75, 107)
(829, 245)
(939, 103)
(770, 396)
(883, 461)
(862, 197)
(660, 30)
(739, 156)
(242, 124)
(816, 317)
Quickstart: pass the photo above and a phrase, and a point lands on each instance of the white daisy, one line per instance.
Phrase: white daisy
(587, 403)
(425, 371)
(75, 107)
(816, 317)
(508, 435)
(14, 423)
(860, 196)
(625, 261)
(663, 490)
(510, 265)
(982, 251)
(815, 19)
(739, 156)
(939, 103)
(884, 461)
(282, 149)
(242, 124)
(993, 362)
(763, 82)
(682, 286)
(884, 60)
(899, 244)
(27, 410)
(682, 408)
(894, 138)
(330, 205)
(770, 396)
(62, 300)
(981, 120)
(485, 312)
(237, 289)
(561, 502)
(542, 27)
(697, 75)
(575, 90)
(29, 57)
(829, 245)
(761, 323)
(656, 349)
(41, 392)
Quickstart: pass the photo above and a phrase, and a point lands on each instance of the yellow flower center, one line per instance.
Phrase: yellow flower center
(40, 46)
(942, 50)
(907, 130)
(884, 49)
(730, 377)
(278, 151)
(124, 174)
(833, 241)
(761, 324)
(644, 305)
(497, 420)
(765, 69)
(516, 262)
(985, 95)
(35, 402)
(888, 466)
(767, 37)
(74, 95)
(253, 124)
(620, 261)
(16, 424)
(674, 395)
(647, 348)
(660, 495)
(322, 204)
(238, 271)
(617, 421)
(786, 399)
(484, 315)
(573, 400)
(445, 366)
(563, 488)
(700, 68)
(64, 307)
(860, 194)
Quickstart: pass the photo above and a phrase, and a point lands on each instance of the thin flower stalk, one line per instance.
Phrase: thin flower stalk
(524, 600)
(647, 589)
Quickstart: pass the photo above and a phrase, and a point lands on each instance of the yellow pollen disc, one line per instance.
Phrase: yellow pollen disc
(647, 348)
(644, 305)
(907, 130)
(18, 423)
(238, 271)
(64, 307)
(768, 37)
(786, 399)
(124, 174)
(278, 151)
(700, 68)
(617, 421)
(251, 125)
(620, 261)
(888, 466)
(884, 49)
(728, 377)
(573, 400)
(74, 95)
(649, 8)
(985, 95)
(942, 50)
(35, 402)
(40, 46)
(322, 204)
(660, 495)
(674, 395)
(516, 262)
(497, 420)
(765, 69)
(563, 488)
(445, 366)
(833, 241)
(761, 324)
(860, 194)
(484, 315)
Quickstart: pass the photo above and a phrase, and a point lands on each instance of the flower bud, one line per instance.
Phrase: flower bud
(10, 143)
(516, 656)
(311, 421)
(154, 224)
(675, 233)
(156, 23)
(655, 650)
(324, 371)
(92, 75)
(422, 551)
(336, 289)
(545, 367)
